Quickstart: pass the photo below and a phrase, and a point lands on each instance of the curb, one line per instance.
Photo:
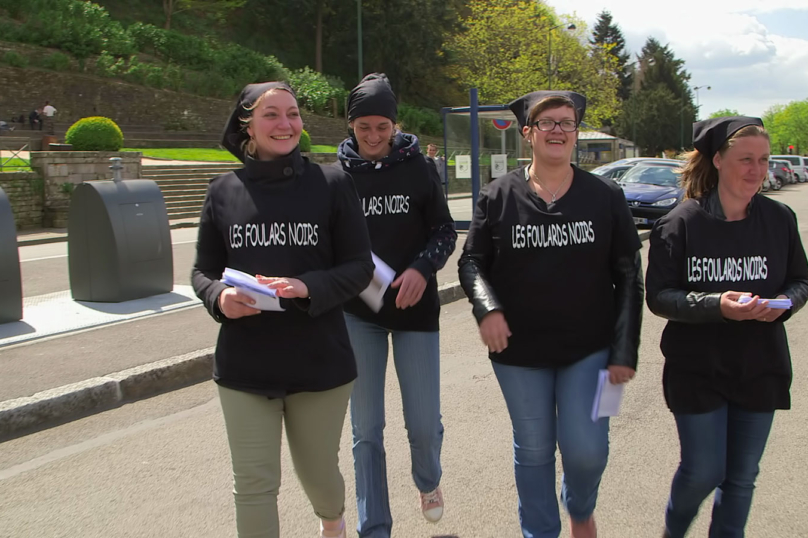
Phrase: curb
(69, 402)
(50, 407)
(62, 237)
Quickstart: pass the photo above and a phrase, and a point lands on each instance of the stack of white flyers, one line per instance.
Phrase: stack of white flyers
(777, 304)
(383, 276)
(264, 297)
(607, 398)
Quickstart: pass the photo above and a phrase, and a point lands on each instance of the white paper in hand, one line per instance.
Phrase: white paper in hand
(607, 398)
(776, 304)
(264, 297)
(383, 276)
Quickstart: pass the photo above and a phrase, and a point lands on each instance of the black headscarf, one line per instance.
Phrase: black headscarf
(521, 107)
(234, 134)
(710, 135)
(373, 97)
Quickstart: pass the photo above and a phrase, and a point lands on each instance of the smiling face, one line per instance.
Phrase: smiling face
(275, 125)
(373, 134)
(742, 166)
(554, 146)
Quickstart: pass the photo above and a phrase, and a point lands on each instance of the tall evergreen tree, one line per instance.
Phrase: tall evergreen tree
(660, 113)
(608, 34)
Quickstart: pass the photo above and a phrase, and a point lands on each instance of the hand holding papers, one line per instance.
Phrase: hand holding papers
(777, 304)
(608, 397)
(383, 275)
(264, 297)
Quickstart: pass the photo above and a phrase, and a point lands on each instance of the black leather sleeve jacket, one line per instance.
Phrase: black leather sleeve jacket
(628, 288)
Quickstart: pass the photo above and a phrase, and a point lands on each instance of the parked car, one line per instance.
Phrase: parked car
(788, 175)
(616, 169)
(652, 190)
(780, 172)
(797, 165)
(770, 182)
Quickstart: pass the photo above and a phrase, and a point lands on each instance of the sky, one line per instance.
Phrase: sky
(752, 53)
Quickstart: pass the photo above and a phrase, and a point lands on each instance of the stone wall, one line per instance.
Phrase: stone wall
(25, 191)
(63, 170)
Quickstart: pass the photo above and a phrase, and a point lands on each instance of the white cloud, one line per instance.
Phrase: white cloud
(723, 44)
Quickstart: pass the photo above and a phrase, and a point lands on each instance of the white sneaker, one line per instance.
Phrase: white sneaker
(333, 534)
(432, 505)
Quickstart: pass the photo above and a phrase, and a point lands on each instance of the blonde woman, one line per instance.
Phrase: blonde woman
(302, 226)
(714, 263)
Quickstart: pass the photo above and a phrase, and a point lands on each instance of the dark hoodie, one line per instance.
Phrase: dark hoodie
(284, 217)
(409, 223)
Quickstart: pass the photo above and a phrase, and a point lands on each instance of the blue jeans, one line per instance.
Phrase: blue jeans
(721, 451)
(417, 359)
(549, 405)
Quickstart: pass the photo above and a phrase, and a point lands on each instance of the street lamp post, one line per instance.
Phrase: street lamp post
(696, 89)
(550, 52)
(359, 38)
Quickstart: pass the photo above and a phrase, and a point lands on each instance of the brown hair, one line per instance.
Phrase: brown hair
(248, 145)
(699, 174)
(554, 101)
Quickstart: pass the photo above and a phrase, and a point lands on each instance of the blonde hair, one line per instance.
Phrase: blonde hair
(554, 101)
(699, 174)
(248, 146)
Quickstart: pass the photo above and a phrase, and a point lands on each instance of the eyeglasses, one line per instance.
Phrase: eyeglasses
(567, 126)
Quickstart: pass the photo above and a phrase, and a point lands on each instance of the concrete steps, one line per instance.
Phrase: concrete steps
(184, 186)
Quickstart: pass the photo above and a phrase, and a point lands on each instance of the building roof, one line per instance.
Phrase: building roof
(595, 135)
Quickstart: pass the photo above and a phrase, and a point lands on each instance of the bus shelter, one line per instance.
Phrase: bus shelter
(480, 143)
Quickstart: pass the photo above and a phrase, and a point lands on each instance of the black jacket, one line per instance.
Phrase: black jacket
(510, 195)
(286, 217)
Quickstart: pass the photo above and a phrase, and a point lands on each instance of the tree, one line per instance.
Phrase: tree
(725, 112)
(217, 9)
(404, 40)
(503, 52)
(606, 34)
(786, 127)
(661, 110)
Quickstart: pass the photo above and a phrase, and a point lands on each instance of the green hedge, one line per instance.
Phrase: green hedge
(420, 120)
(316, 92)
(305, 141)
(95, 133)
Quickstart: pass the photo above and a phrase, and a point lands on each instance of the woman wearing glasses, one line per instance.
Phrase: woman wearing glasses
(551, 266)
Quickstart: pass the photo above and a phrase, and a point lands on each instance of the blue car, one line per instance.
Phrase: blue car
(652, 190)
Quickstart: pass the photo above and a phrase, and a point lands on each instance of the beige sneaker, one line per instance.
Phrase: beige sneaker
(338, 533)
(432, 505)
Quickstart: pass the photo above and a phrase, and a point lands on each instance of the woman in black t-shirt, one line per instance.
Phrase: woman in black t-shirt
(300, 224)
(551, 266)
(412, 232)
(713, 263)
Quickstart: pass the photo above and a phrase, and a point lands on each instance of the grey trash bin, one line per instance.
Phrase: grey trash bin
(10, 281)
(119, 241)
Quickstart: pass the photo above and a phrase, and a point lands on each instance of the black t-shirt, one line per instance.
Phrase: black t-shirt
(550, 265)
(746, 363)
(286, 217)
(410, 226)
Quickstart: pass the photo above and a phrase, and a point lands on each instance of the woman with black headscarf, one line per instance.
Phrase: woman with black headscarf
(552, 268)
(302, 225)
(714, 262)
(412, 232)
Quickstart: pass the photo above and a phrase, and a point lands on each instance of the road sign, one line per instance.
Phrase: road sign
(502, 124)
(463, 166)
(499, 165)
